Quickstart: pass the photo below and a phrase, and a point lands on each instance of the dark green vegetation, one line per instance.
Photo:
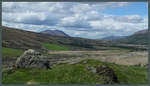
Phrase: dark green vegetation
(54, 47)
(141, 39)
(20, 39)
(10, 52)
(76, 74)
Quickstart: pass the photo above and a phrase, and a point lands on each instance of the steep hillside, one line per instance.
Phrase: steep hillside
(20, 39)
(140, 37)
(54, 32)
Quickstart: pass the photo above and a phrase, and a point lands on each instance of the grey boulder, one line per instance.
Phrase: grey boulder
(32, 59)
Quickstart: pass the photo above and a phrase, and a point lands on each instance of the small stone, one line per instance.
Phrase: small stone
(85, 62)
(10, 70)
(92, 69)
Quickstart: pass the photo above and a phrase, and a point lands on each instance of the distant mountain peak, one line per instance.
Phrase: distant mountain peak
(54, 32)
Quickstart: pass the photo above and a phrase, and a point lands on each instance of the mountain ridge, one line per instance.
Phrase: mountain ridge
(54, 33)
(22, 39)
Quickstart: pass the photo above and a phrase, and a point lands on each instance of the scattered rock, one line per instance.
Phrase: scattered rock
(31, 52)
(9, 70)
(108, 73)
(74, 62)
(85, 62)
(92, 69)
(145, 65)
(32, 59)
(141, 65)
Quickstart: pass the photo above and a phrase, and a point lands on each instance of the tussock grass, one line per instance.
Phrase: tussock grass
(76, 74)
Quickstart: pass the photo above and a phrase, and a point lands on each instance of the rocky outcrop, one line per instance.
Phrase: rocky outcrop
(105, 71)
(32, 59)
(108, 73)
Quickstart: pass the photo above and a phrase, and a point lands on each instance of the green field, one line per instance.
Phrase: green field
(11, 52)
(55, 47)
(75, 74)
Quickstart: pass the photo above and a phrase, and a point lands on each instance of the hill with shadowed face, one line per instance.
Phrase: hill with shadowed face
(140, 37)
(21, 39)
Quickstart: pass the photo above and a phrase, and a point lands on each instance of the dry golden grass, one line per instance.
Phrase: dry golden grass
(122, 57)
(31, 82)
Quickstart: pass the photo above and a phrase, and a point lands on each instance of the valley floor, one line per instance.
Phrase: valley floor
(122, 57)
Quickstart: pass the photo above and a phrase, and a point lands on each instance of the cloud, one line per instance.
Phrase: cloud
(80, 19)
(130, 19)
(44, 13)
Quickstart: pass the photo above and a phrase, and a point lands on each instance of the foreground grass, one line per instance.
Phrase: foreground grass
(11, 52)
(61, 74)
(75, 74)
(55, 47)
(126, 74)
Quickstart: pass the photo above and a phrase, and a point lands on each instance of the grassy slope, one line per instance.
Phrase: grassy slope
(55, 47)
(20, 39)
(135, 39)
(10, 52)
(75, 74)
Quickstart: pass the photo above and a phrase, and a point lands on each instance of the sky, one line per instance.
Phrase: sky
(92, 20)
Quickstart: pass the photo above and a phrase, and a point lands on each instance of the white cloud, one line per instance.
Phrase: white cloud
(129, 18)
(82, 19)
